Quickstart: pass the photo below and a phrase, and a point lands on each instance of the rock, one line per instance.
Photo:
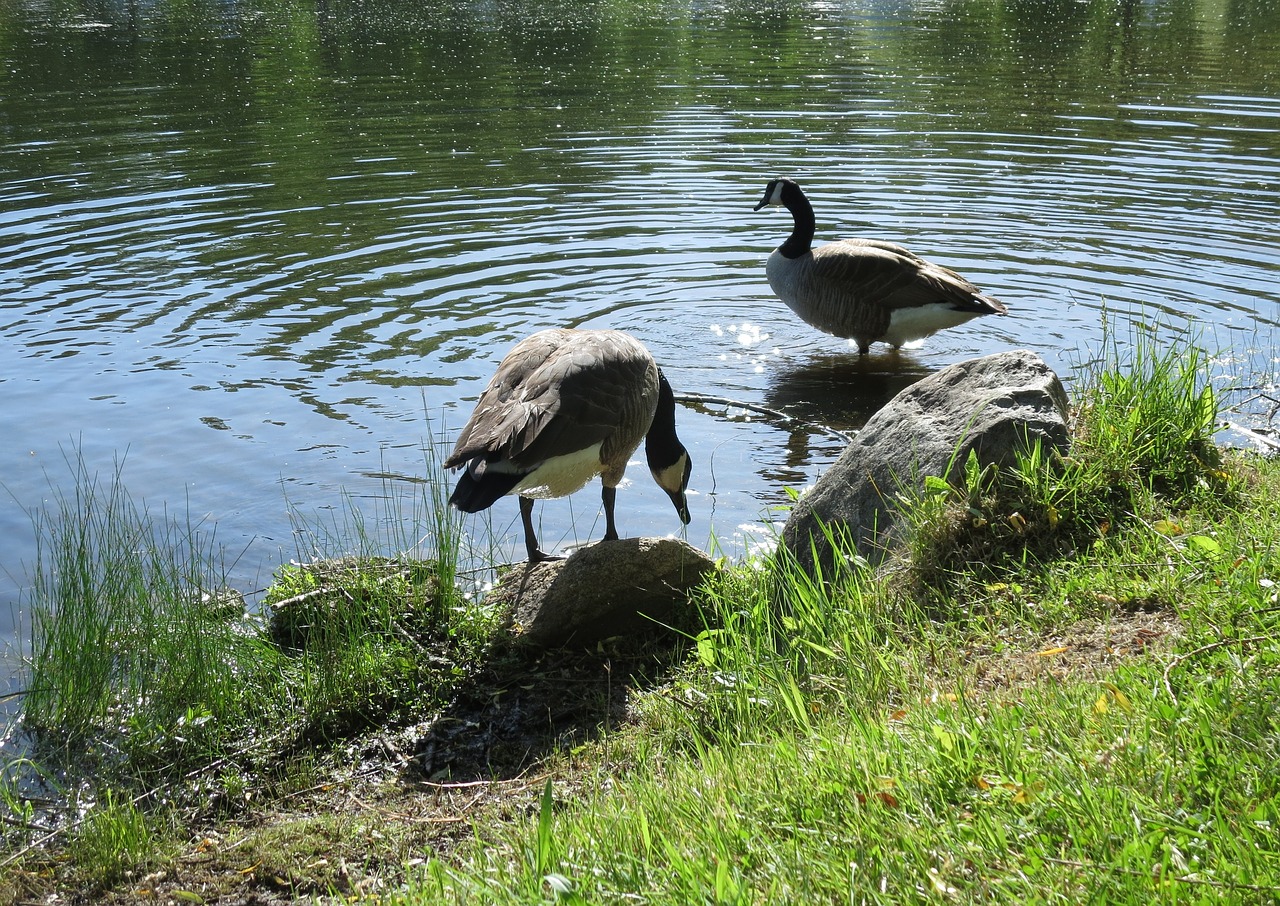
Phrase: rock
(345, 595)
(223, 603)
(993, 405)
(634, 585)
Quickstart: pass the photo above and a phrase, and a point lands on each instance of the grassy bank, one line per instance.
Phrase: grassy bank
(1068, 689)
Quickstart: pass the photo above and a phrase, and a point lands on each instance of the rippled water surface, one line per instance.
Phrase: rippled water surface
(265, 252)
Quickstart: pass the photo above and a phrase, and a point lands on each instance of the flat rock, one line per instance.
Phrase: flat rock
(612, 588)
(994, 406)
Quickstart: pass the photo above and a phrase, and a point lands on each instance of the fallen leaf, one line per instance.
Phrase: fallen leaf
(1206, 545)
(1051, 651)
(1028, 794)
(1144, 636)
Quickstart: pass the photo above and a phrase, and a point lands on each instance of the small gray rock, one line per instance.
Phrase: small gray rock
(633, 585)
(994, 405)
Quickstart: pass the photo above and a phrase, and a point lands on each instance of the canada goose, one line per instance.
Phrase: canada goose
(565, 406)
(865, 289)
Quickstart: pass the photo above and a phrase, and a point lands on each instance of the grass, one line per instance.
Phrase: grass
(149, 677)
(120, 612)
(115, 839)
(1068, 690)
(956, 731)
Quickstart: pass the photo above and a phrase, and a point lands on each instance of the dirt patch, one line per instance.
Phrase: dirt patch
(1086, 650)
(356, 838)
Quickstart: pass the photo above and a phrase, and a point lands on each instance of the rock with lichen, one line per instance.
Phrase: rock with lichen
(993, 406)
(631, 586)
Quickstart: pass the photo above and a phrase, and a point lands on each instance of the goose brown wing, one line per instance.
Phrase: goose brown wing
(557, 392)
(601, 390)
(502, 419)
(888, 274)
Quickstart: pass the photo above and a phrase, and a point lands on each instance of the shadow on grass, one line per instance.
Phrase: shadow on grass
(524, 706)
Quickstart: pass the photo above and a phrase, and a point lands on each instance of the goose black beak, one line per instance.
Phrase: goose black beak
(682, 505)
(771, 195)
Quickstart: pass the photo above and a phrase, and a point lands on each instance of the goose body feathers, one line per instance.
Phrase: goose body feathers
(564, 406)
(866, 290)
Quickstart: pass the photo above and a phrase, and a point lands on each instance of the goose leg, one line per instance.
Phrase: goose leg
(530, 539)
(608, 495)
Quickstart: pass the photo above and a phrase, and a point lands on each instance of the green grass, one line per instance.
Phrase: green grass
(120, 613)
(1067, 691)
(1046, 798)
(152, 689)
(115, 840)
(945, 733)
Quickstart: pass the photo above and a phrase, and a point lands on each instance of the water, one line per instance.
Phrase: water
(263, 252)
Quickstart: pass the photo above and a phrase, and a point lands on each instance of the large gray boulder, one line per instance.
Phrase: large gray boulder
(613, 588)
(993, 405)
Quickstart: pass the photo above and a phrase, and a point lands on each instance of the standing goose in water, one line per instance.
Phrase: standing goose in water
(865, 289)
(563, 407)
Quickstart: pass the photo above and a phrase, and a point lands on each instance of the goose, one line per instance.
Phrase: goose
(866, 290)
(564, 406)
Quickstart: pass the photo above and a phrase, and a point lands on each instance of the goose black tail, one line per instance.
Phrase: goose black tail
(474, 494)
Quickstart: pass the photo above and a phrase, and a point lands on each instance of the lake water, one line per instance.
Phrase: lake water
(264, 251)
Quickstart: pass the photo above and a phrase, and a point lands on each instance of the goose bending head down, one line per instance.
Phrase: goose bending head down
(565, 406)
(864, 289)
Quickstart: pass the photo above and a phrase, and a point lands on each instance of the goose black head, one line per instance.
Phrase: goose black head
(669, 461)
(773, 193)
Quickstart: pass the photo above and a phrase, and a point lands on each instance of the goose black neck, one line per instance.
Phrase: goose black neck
(662, 446)
(801, 238)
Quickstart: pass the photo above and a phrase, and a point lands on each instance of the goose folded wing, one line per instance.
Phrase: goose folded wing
(504, 420)
(583, 404)
(890, 274)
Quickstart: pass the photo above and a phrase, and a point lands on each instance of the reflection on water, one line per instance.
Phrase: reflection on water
(842, 390)
(268, 251)
(836, 391)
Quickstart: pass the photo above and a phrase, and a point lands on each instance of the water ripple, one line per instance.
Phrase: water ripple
(257, 278)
